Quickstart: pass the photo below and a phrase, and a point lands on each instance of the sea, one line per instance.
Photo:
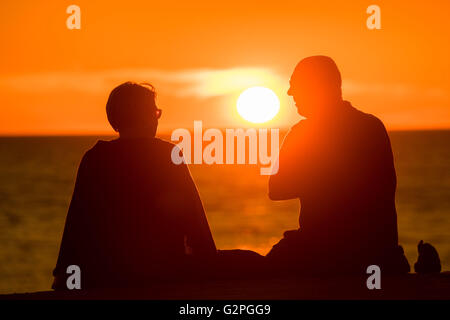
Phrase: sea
(37, 178)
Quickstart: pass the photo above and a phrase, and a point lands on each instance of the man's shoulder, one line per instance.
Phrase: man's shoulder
(298, 128)
(369, 120)
(296, 133)
(375, 123)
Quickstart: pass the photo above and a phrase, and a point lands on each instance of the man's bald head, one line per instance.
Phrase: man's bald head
(315, 85)
(320, 70)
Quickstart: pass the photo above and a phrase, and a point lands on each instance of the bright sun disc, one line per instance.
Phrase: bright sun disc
(258, 104)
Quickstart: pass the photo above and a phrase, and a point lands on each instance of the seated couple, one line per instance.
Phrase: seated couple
(136, 217)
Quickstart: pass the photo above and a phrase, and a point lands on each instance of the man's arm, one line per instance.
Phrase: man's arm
(383, 185)
(284, 185)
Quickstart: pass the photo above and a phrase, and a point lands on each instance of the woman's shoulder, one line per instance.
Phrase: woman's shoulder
(164, 144)
(100, 146)
(105, 146)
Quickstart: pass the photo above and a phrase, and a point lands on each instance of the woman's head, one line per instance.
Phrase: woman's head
(131, 108)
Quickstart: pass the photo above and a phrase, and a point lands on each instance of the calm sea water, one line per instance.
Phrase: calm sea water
(37, 177)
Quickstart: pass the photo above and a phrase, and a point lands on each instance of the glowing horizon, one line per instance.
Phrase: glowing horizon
(56, 81)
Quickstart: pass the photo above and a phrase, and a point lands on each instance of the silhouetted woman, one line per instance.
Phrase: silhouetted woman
(135, 216)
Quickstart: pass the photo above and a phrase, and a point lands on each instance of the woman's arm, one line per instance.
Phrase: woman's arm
(198, 233)
(72, 236)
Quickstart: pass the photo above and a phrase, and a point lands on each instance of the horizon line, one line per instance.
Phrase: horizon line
(168, 133)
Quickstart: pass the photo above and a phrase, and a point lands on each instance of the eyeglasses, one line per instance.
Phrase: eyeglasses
(158, 113)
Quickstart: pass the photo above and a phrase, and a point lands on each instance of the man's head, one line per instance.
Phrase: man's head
(131, 109)
(315, 86)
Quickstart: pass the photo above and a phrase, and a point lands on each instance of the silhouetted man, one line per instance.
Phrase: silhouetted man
(339, 163)
(135, 216)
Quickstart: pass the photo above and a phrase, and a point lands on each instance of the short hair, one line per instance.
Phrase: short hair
(319, 70)
(131, 104)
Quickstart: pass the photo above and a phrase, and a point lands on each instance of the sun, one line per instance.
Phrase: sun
(258, 104)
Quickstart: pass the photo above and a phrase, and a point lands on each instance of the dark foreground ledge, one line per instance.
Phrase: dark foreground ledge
(411, 286)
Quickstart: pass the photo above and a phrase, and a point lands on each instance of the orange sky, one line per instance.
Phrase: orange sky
(201, 54)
